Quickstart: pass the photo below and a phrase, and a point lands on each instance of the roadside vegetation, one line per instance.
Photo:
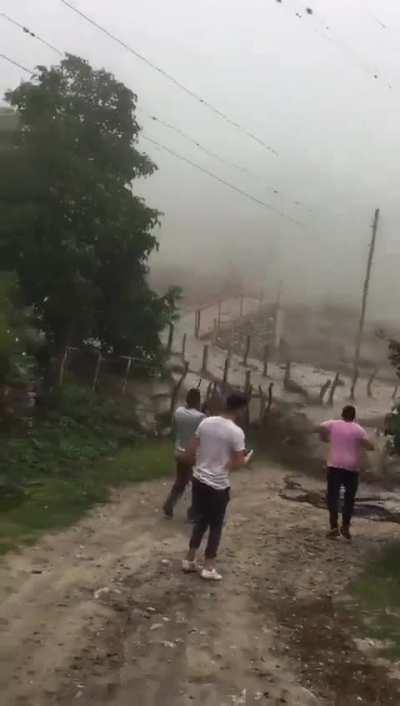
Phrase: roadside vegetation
(81, 447)
(377, 594)
(75, 241)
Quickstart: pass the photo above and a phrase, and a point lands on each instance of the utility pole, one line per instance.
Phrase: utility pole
(364, 305)
(278, 295)
(278, 318)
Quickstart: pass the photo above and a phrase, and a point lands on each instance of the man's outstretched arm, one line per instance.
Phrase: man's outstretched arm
(322, 431)
(368, 445)
(238, 459)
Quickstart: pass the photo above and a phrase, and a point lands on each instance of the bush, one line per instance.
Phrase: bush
(17, 364)
(81, 446)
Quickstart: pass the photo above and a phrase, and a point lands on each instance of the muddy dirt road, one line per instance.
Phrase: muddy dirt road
(101, 614)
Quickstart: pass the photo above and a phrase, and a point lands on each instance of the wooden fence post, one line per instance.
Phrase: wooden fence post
(334, 385)
(270, 392)
(263, 403)
(261, 299)
(175, 391)
(247, 350)
(97, 371)
(371, 380)
(356, 375)
(286, 378)
(184, 340)
(215, 332)
(205, 359)
(265, 362)
(226, 370)
(127, 371)
(170, 338)
(324, 389)
(197, 321)
(247, 383)
(62, 368)
(231, 338)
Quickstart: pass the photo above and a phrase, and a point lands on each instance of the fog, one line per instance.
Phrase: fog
(307, 91)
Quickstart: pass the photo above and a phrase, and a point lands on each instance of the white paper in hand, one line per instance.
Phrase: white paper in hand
(249, 456)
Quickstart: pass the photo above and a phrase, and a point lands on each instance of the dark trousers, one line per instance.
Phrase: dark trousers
(338, 477)
(210, 507)
(183, 477)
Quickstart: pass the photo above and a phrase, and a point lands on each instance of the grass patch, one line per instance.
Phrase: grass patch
(82, 447)
(377, 592)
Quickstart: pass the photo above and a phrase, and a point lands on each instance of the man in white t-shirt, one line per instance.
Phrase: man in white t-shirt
(218, 448)
(186, 421)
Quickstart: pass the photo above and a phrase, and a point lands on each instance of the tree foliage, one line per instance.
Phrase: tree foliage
(17, 336)
(394, 355)
(72, 228)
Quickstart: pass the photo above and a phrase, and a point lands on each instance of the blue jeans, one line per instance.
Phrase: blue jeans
(209, 507)
(338, 477)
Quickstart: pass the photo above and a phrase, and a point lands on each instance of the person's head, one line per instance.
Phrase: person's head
(235, 404)
(214, 405)
(349, 413)
(193, 398)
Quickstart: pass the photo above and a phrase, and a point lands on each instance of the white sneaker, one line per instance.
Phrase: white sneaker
(190, 567)
(210, 575)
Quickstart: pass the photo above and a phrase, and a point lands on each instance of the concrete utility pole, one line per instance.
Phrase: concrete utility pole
(364, 305)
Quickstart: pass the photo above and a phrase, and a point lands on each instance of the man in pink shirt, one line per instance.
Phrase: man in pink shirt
(346, 440)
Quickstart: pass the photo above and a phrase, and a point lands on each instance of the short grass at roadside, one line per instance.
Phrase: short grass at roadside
(377, 592)
(76, 452)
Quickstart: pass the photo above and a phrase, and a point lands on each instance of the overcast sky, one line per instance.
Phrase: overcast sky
(307, 91)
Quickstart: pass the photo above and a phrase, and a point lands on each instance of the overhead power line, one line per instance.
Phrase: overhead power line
(9, 19)
(207, 151)
(377, 20)
(324, 30)
(170, 126)
(15, 63)
(151, 116)
(210, 174)
(238, 190)
(171, 78)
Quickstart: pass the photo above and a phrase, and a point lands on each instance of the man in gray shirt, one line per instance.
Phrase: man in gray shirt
(186, 421)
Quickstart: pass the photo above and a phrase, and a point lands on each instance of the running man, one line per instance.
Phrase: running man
(186, 421)
(218, 448)
(346, 440)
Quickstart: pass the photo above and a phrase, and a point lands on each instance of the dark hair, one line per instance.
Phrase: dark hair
(193, 398)
(349, 413)
(236, 401)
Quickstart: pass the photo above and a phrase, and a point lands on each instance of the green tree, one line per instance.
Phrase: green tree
(394, 355)
(71, 227)
(18, 339)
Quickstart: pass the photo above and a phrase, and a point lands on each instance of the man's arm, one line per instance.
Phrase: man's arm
(367, 444)
(238, 454)
(238, 459)
(189, 455)
(365, 441)
(323, 431)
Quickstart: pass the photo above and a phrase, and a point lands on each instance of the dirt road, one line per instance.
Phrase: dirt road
(101, 614)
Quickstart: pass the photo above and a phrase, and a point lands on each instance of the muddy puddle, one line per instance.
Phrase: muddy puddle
(370, 504)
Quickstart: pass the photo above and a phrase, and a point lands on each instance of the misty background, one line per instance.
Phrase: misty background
(326, 100)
